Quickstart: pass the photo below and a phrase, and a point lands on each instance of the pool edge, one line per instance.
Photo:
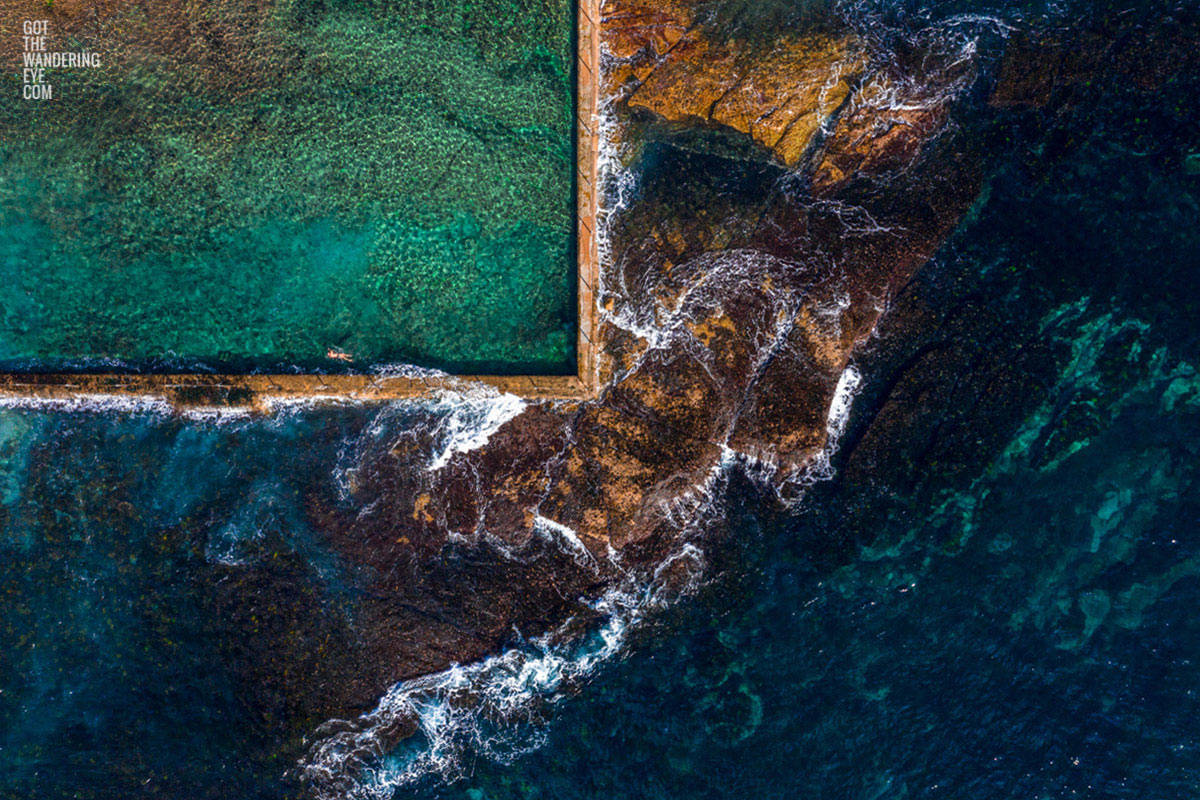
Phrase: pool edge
(262, 392)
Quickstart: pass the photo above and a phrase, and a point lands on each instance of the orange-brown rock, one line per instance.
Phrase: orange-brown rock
(662, 60)
(637, 34)
(644, 29)
(882, 130)
(780, 99)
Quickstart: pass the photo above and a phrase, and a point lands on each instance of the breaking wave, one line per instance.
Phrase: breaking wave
(470, 420)
(95, 403)
(493, 708)
(432, 727)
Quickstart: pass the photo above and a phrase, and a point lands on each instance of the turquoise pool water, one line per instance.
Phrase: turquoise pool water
(261, 186)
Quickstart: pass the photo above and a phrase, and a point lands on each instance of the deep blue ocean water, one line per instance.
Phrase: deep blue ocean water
(1005, 610)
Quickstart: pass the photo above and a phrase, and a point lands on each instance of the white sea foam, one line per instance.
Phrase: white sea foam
(821, 467)
(411, 371)
(839, 408)
(228, 545)
(491, 708)
(618, 184)
(470, 420)
(217, 414)
(94, 403)
(569, 539)
(278, 405)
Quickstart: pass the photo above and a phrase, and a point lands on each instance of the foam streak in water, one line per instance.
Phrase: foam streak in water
(492, 708)
(428, 727)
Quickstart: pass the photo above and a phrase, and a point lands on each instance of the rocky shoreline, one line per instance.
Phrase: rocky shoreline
(773, 198)
(737, 288)
(785, 193)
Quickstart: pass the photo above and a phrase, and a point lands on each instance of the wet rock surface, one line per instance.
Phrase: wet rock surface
(732, 302)
(737, 290)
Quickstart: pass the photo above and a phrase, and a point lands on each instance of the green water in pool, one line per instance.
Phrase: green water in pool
(287, 185)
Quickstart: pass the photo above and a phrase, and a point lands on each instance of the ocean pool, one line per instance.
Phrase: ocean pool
(290, 186)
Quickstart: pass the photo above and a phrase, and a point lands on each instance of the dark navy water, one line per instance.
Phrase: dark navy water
(995, 597)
